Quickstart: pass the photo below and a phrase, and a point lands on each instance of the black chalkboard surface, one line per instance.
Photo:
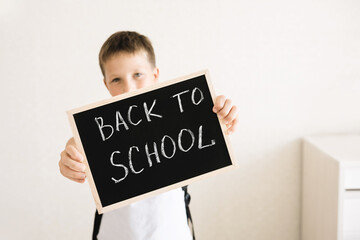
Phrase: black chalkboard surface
(151, 140)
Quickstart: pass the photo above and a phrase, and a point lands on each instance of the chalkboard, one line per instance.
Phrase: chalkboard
(151, 140)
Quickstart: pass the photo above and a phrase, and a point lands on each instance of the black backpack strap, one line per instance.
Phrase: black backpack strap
(187, 199)
(97, 222)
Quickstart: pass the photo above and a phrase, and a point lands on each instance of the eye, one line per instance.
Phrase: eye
(115, 80)
(137, 75)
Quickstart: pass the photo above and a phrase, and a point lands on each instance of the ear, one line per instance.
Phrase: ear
(156, 74)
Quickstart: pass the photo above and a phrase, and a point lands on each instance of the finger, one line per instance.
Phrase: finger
(72, 164)
(233, 126)
(225, 110)
(231, 115)
(78, 180)
(74, 153)
(71, 174)
(219, 103)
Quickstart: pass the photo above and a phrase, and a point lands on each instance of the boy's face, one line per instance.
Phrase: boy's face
(125, 72)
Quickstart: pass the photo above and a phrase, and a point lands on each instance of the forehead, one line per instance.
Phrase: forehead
(125, 61)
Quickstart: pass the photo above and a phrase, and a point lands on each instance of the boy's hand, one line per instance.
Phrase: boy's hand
(226, 112)
(71, 163)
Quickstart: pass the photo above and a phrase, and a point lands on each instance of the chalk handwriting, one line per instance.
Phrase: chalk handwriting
(100, 123)
(148, 112)
(118, 165)
(155, 153)
(193, 100)
(120, 121)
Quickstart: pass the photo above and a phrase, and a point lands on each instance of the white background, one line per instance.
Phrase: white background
(292, 68)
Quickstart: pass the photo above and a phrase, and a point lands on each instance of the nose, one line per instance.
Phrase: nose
(129, 85)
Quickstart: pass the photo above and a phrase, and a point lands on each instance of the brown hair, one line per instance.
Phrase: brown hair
(125, 41)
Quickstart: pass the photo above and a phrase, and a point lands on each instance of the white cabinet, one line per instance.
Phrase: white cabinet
(331, 188)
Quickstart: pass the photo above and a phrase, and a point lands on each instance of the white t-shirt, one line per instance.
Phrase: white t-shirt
(161, 217)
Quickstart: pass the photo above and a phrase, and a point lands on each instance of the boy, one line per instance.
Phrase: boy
(127, 62)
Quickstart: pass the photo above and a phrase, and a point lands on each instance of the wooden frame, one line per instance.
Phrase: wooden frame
(99, 206)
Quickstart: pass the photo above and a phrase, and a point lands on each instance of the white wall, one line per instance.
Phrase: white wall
(292, 67)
